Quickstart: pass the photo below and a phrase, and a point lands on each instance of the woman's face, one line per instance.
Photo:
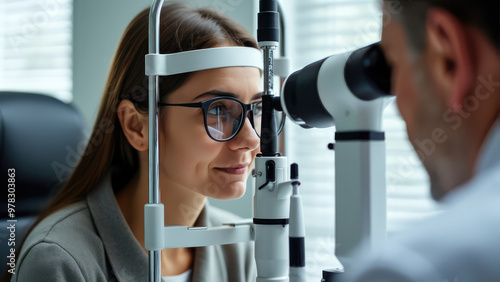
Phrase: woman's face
(189, 158)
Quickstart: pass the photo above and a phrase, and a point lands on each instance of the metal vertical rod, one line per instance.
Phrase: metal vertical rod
(269, 134)
(154, 194)
(268, 38)
(154, 97)
(268, 70)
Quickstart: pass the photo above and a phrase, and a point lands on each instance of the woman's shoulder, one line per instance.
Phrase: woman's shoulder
(62, 225)
(64, 243)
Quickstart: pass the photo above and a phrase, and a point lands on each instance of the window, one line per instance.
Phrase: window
(35, 48)
(320, 28)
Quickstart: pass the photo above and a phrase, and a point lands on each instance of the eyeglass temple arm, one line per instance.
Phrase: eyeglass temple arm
(189, 105)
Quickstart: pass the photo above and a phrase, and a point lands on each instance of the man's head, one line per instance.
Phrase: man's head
(445, 60)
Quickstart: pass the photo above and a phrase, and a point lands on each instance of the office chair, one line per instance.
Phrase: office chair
(41, 141)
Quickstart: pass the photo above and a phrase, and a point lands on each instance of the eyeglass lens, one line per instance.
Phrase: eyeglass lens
(225, 117)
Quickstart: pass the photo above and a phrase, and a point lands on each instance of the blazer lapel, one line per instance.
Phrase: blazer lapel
(209, 265)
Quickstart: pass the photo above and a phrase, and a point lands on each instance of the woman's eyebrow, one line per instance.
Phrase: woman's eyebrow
(257, 96)
(215, 93)
(224, 94)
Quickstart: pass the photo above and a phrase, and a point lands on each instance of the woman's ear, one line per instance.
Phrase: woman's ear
(134, 125)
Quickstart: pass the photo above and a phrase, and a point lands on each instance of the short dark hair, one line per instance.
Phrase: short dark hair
(483, 13)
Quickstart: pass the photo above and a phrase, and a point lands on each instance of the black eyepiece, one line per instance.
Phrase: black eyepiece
(268, 21)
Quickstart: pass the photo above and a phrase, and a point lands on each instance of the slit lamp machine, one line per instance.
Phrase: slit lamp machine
(347, 90)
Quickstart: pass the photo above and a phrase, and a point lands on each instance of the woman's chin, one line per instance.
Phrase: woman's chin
(232, 191)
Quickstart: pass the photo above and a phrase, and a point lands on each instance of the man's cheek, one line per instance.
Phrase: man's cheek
(403, 93)
(403, 108)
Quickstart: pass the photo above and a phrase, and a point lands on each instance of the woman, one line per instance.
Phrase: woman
(94, 229)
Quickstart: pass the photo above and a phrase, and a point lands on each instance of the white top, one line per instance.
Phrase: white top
(183, 277)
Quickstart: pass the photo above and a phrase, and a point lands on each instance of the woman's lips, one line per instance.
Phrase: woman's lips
(236, 170)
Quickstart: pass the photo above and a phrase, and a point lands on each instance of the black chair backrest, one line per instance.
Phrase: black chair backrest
(41, 141)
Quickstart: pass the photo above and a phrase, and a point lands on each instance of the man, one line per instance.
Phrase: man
(445, 74)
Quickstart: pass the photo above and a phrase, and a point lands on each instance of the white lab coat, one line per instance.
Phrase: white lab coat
(460, 244)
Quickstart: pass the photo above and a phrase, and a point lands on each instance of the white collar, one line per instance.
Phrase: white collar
(183, 277)
(490, 151)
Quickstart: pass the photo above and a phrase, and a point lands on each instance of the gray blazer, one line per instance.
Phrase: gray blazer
(91, 241)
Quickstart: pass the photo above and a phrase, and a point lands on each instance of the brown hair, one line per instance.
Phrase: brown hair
(181, 29)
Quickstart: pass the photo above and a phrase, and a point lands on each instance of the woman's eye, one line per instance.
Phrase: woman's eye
(217, 110)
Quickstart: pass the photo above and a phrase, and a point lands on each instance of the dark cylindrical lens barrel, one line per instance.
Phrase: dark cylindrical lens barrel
(268, 21)
(268, 144)
(302, 99)
(367, 73)
(268, 6)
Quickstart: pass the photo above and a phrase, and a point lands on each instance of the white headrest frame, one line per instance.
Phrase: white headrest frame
(203, 59)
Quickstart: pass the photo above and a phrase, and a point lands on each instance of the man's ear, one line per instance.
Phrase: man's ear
(134, 125)
(451, 62)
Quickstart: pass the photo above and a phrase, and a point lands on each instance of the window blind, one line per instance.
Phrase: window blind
(35, 46)
(321, 28)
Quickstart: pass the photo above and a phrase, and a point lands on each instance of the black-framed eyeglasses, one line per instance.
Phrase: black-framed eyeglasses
(225, 116)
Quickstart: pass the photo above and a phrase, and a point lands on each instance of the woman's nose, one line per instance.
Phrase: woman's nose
(246, 139)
